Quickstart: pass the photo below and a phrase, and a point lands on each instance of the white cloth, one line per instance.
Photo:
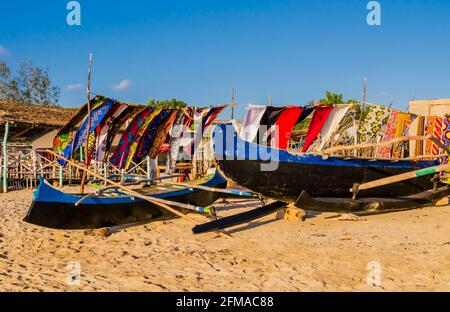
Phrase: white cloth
(332, 124)
(252, 122)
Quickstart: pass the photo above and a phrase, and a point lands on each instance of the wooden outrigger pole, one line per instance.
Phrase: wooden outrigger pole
(88, 130)
(132, 192)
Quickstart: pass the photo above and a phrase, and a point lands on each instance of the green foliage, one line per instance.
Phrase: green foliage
(332, 98)
(30, 85)
(173, 103)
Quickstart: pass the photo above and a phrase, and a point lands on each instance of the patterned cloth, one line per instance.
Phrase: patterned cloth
(149, 135)
(65, 136)
(181, 125)
(446, 137)
(118, 159)
(137, 139)
(433, 127)
(420, 132)
(97, 116)
(373, 122)
(390, 130)
(252, 121)
(405, 121)
(161, 135)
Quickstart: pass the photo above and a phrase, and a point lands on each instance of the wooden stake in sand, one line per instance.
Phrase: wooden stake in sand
(130, 191)
(88, 130)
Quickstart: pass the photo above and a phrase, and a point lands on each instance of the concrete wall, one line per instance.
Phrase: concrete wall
(430, 107)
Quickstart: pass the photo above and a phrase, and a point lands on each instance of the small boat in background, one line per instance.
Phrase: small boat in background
(55, 209)
(320, 177)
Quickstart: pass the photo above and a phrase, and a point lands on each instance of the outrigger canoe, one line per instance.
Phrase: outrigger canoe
(55, 209)
(325, 183)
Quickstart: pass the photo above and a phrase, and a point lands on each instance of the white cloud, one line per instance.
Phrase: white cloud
(382, 94)
(4, 51)
(74, 87)
(124, 84)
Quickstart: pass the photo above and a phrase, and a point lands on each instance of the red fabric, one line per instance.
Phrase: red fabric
(286, 123)
(318, 120)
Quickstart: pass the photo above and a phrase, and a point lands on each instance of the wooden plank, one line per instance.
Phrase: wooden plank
(132, 192)
(401, 177)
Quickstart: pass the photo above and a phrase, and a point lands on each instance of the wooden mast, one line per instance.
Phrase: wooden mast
(88, 130)
(232, 105)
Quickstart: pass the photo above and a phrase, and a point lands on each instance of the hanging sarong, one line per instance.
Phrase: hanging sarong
(65, 136)
(318, 120)
(119, 157)
(97, 116)
(390, 129)
(306, 111)
(446, 137)
(103, 129)
(127, 116)
(251, 123)
(138, 137)
(161, 135)
(285, 124)
(373, 122)
(433, 127)
(267, 124)
(181, 125)
(332, 124)
(149, 135)
(420, 132)
(404, 122)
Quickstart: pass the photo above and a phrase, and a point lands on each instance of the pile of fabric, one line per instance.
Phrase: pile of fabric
(146, 130)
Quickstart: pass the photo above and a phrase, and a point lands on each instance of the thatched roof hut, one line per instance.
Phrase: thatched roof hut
(27, 122)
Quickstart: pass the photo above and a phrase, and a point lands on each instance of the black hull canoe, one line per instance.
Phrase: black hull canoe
(246, 164)
(54, 209)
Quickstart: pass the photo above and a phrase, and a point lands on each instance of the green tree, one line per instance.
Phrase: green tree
(30, 85)
(173, 103)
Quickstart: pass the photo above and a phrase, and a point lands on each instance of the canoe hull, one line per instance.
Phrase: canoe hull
(54, 209)
(246, 164)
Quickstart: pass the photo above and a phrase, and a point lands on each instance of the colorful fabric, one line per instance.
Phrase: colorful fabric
(118, 159)
(318, 120)
(65, 136)
(404, 122)
(446, 137)
(97, 115)
(285, 124)
(181, 125)
(102, 130)
(373, 122)
(420, 132)
(390, 130)
(433, 127)
(306, 111)
(126, 116)
(149, 135)
(251, 122)
(267, 124)
(332, 124)
(161, 135)
(143, 128)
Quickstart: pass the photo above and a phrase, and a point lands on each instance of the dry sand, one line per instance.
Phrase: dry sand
(321, 254)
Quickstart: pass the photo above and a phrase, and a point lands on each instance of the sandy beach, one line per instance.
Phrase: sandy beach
(412, 249)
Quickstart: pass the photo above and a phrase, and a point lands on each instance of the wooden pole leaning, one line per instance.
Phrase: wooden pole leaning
(132, 192)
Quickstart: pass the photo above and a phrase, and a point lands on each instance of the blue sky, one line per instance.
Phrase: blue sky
(199, 50)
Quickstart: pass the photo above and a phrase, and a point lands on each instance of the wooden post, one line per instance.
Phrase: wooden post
(5, 159)
(363, 107)
(232, 105)
(88, 130)
(61, 172)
